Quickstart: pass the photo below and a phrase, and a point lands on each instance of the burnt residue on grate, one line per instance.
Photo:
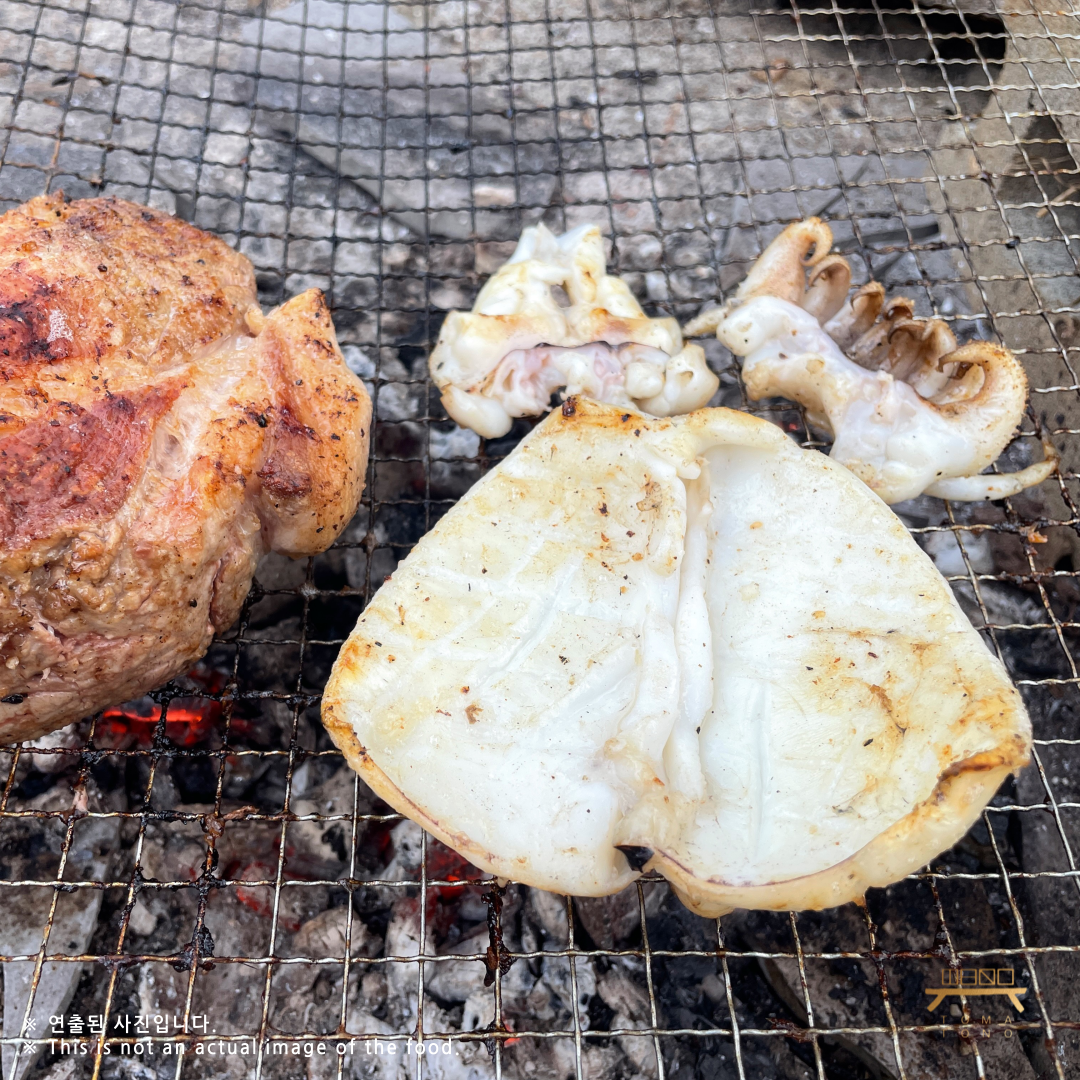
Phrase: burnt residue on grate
(207, 846)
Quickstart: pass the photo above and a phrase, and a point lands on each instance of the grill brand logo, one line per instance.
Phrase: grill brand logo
(977, 982)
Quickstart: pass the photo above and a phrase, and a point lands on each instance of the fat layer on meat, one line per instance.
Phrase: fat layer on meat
(686, 645)
(158, 435)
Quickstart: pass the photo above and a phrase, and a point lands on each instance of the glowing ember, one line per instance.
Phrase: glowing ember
(184, 726)
(444, 864)
(259, 899)
(188, 720)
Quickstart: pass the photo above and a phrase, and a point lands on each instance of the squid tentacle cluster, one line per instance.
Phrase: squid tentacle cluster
(909, 410)
(552, 319)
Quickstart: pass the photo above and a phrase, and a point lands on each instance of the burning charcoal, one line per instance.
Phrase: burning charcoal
(328, 151)
(549, 1059)
(373, 988)
(469, 1061)
(607, 1063)
(356, 163)
(407, 128)
(67, 738)
(479, 1011)
(305, 997)
(683, 986)
(624, 996)
(277, 581)
(324, 936)
(65, 1069)
(548, 911)
(231, 992)
(369, 1064)
(456, 981)
(466, 982)
(292, 985)
(944, 548)
(173, 851)
(844, 993)
(549, 1003)
(407, 838)
(23, 925)
(873, 1051)
(555, 972)
(1049, 905)
(629, 1002)
(320, 849)
(1029, 653)
(611, 921)
(453, 907)
(143, 919)
(470, 905)
(403, 939)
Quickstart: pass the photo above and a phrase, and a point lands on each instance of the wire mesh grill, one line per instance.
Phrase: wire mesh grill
(390, 154)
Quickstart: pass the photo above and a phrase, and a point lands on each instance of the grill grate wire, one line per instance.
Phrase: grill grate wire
(940, 151)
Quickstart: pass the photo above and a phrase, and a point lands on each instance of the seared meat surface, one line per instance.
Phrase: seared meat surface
(158, 435)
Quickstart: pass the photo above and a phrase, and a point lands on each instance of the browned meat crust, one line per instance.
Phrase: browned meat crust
(158, 435)
(75, 465)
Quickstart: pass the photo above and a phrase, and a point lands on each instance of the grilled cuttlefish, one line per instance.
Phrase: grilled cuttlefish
(908, 410)
(552, 318)
(678, 644)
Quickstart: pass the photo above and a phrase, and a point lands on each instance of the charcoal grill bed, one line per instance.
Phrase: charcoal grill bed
(390, 154)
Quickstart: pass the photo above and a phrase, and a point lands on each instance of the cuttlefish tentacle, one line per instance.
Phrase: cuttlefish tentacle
(909, 410)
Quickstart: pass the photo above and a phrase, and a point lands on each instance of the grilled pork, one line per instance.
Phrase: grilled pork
(158, 435)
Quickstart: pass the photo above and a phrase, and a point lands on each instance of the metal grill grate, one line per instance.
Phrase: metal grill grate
(390, 154)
